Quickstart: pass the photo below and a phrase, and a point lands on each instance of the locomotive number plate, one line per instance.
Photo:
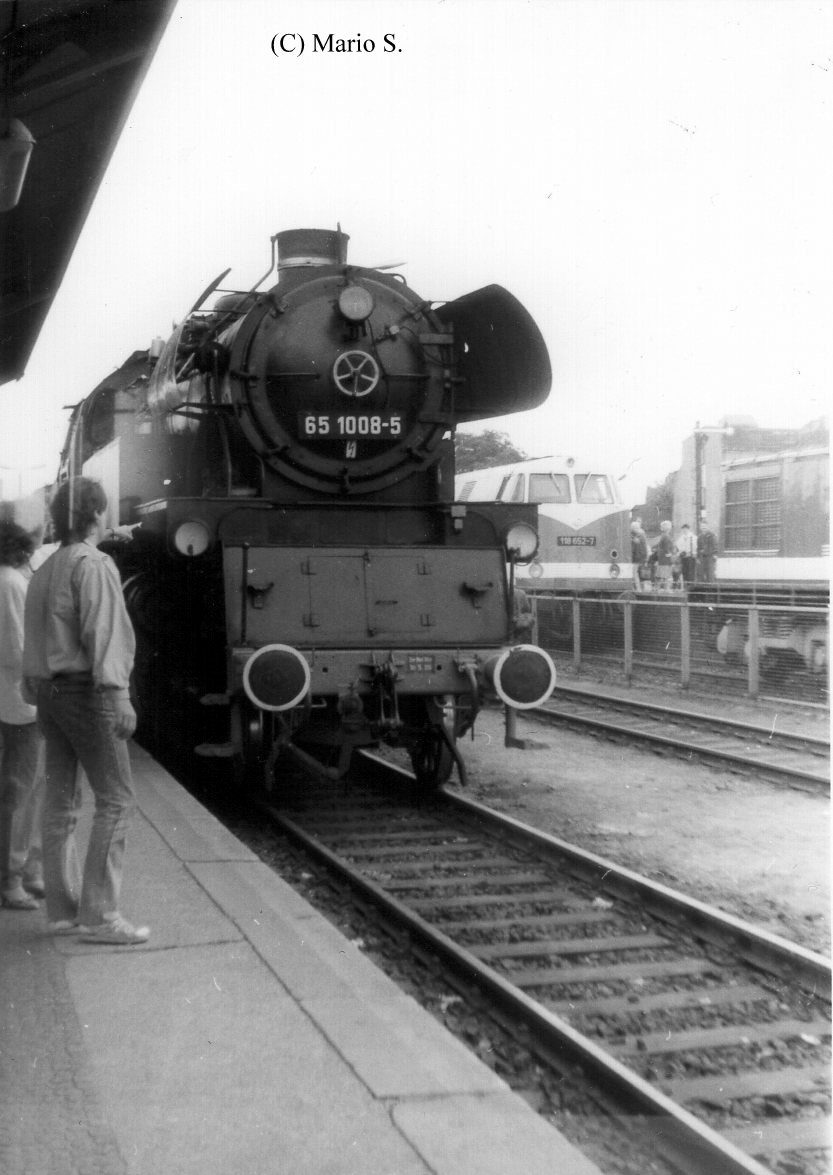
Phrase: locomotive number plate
(370, 426)
(576, 540)
(420, 663)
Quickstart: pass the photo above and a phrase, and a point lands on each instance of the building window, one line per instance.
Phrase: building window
(753, 515)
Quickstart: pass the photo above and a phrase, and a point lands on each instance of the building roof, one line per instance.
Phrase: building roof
(795, 454)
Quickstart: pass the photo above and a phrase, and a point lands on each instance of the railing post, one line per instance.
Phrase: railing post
(577, 634)
(628, 605)
(685, 646)
(754, 654)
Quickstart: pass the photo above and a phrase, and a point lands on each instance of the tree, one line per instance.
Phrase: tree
(659, 503)
(483, 449)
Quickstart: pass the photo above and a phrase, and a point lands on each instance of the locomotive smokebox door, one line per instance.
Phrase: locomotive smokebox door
(341, 377)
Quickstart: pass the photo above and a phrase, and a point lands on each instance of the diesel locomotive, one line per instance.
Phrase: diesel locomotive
(584, 521)
(301, 579)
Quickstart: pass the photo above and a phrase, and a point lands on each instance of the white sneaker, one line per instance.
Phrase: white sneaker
(115, 930)
(18, 899)
(63, 926)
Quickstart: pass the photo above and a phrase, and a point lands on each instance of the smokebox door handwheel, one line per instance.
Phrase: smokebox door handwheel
(355, 373)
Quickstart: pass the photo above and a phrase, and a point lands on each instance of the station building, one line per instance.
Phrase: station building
(765, 492)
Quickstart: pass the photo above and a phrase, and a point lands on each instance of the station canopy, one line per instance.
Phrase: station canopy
(70, 72)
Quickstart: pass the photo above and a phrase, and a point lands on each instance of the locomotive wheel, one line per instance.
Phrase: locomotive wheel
(433, 749)
(253, 770)
(435, 730)
(431, 759)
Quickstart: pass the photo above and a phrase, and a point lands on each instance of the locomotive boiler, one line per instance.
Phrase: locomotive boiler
(300, 577)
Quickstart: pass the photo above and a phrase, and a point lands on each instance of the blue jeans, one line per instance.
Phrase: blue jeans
(18, 776)
(78, 724)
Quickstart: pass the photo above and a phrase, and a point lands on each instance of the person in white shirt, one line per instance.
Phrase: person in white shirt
(77, 659)
(687, 546)
(27, 855)
(19, 736)
(640, 552)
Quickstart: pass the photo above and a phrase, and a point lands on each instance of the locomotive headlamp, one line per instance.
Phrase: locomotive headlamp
(521, 542)
(355, 303)
(192, 538)
(614, 571)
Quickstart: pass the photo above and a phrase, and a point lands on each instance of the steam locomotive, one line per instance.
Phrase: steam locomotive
(300, 577)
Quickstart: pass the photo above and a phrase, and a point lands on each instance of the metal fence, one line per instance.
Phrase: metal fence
(757, 650)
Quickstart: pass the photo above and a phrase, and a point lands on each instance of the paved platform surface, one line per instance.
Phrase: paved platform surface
(247, 1036)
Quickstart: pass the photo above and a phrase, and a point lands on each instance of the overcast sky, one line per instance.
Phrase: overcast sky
(651, 179)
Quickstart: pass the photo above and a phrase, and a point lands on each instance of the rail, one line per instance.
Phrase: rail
(596, 979)
(799, 760)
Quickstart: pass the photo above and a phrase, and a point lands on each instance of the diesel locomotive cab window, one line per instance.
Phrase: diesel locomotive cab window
(549, 487)
(517, 494)
(593, 489)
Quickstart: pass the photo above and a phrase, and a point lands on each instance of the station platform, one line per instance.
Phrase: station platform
(248, 1035)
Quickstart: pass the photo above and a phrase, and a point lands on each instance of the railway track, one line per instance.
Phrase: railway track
(801, 761)
(714, 1034)
(732, 683)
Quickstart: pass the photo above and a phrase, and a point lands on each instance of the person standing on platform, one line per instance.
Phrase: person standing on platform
(18, 728)
(665, 551)
(77, 659)
(707, 552)
(639, 556)
(523, 618)
(687, 546)
(26, 831)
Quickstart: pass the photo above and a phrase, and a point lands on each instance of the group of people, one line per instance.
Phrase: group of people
(672, 563)
(66, 654)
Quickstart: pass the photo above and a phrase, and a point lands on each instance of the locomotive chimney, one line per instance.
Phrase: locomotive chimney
(311, 246)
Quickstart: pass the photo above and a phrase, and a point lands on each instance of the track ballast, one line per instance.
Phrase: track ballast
(675, 1009)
